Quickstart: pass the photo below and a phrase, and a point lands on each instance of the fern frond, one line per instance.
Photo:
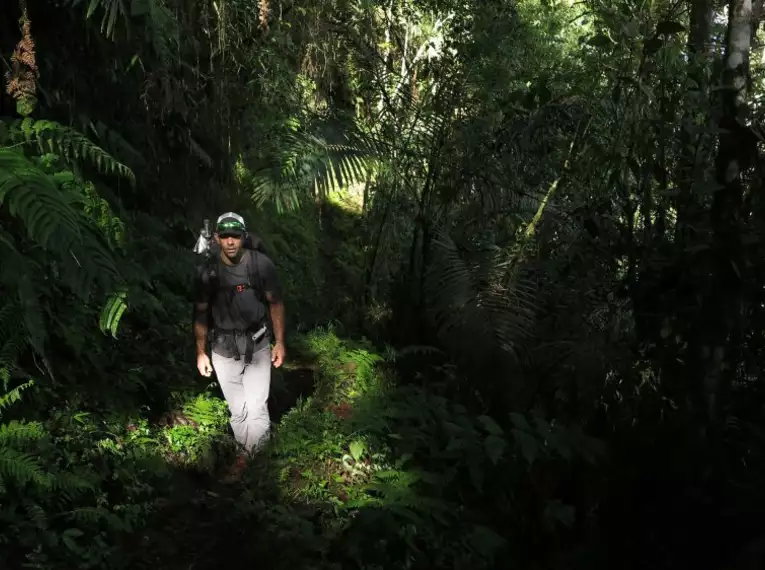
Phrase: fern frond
(95, 515)
(50, 136)
(33, 196)
(21, 467)
(112, 313)
(206, 411)
(70, 484)
(17, 433)
(14, 395)
(96, 258)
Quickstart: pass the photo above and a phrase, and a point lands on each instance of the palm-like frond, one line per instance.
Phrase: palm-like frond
(309, 161)
(113, 10)
(470, 298)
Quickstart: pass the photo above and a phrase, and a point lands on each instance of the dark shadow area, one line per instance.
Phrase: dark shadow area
(288, 387)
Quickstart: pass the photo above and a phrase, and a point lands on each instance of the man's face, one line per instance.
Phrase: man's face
(230, 243)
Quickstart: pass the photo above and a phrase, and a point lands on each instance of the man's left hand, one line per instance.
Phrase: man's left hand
(278, 354)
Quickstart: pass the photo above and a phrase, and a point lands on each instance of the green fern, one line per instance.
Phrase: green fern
(12, 396)
(398, 143)
(49, 136)
(46, 205)
(70, 485)
(33, 196)
(90, 263)
(206, 411)
(95, 515)
(15, 432)
(112, 313)
(21, 467)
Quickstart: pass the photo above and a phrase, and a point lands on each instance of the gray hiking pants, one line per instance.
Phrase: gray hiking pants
(246, 388)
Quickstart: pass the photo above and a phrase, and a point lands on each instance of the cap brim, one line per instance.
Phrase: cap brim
(230, 232)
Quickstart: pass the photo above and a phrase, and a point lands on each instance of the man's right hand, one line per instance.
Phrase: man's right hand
(204, 365)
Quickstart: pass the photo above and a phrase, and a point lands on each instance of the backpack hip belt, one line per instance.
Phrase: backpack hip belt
(253, 336)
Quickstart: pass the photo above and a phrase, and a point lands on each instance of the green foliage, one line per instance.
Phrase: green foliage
(308, 161)
(51, 498)
(47, 202)
(52, 137)
(400, 461)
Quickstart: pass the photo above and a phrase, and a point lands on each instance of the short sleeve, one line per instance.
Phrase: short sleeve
(268, 277)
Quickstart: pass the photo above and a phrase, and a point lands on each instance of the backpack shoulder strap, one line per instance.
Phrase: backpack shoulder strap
(253, 274)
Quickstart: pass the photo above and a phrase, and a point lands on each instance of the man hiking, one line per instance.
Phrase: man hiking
(238, 290)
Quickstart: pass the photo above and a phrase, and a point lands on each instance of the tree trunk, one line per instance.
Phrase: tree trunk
(698, 65)
(724, 310)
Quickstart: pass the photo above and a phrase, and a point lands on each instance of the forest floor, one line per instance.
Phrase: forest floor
(291, 489)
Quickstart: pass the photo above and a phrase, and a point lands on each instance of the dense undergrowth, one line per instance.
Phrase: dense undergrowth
(362, 471)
